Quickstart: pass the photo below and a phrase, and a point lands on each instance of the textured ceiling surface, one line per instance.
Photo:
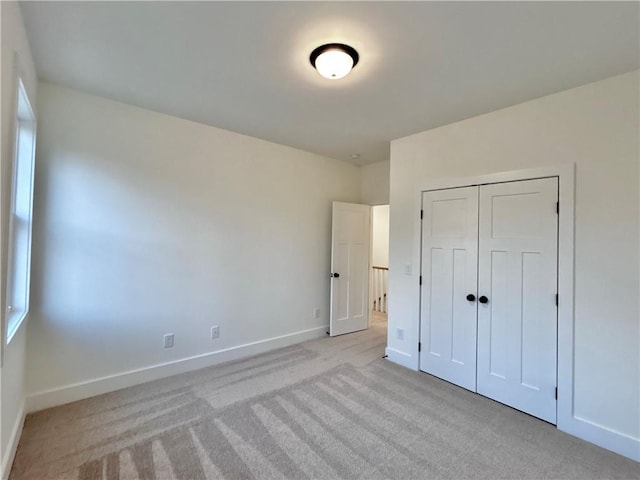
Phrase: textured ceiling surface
(244, 66)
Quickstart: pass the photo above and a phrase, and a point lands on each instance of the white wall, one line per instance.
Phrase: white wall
(380, 235)
(148, 224)
(15, 54)
(597, 127)
(374, 184)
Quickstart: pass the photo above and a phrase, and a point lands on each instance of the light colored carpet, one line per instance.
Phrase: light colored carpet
(329, 408)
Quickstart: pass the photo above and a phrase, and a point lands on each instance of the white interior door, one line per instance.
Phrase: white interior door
(349, 268)
(517, 324)
(449, 276)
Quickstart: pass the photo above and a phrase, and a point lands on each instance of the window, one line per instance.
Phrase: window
(19, 253)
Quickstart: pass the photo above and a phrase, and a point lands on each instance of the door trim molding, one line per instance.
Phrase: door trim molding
(566, 419)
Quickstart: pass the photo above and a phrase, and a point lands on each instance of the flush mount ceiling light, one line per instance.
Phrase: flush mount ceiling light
(334, 60)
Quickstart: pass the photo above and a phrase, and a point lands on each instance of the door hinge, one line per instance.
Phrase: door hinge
(556, 299)
(558, 207)
(556, 393)
(421, 214)
(420, 280)
(419, 346)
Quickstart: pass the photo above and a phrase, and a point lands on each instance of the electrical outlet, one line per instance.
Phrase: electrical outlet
(316, 313)
(400, 333)
(168, 340)
(407, 269)
(215, 332)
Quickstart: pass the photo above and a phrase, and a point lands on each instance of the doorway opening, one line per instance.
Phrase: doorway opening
(359, 267)
(379, 275)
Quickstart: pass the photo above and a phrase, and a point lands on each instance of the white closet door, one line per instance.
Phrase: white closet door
(449, 275)
(517, 326)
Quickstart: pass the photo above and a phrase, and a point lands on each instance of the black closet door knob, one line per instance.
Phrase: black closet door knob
(483, 299)
(335, 275)
(471, 297)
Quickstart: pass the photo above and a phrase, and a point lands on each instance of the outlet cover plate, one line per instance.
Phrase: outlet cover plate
(215, 332)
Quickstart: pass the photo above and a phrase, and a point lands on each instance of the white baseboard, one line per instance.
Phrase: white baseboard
(578, 427)
(401, 358)
(12, 445)
(602, 436)
(78, 391)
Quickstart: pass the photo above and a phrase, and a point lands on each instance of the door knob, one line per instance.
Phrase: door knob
(471, 297)
(483, 299)
(335, 275)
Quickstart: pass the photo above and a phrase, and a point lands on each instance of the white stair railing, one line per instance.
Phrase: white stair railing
(380, 284)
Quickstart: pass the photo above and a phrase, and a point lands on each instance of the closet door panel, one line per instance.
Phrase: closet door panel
(449, 274)
(517, 326)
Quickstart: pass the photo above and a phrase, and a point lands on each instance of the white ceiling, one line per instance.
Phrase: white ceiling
(244, 66)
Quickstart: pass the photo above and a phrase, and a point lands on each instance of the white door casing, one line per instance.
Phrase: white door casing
(350, 257)
(449, 274)
(517, 327)
(510, 229)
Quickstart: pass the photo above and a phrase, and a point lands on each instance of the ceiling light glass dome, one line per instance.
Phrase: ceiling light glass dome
(334, 60)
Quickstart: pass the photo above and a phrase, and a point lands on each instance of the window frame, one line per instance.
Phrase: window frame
(24, 117)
